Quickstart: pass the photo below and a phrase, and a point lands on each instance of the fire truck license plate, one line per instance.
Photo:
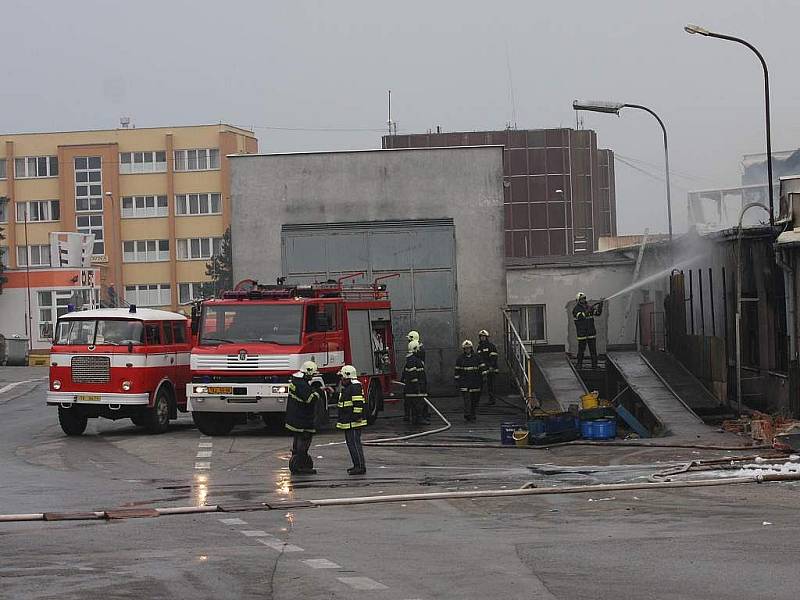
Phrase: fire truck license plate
(88, 398)
(220, 390)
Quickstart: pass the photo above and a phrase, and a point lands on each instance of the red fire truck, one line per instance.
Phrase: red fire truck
(119, 363)
(254, 338)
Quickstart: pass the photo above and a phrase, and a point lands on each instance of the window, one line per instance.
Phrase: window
(4, 209)
(92, 224)
(2, 168)
(39, 255)
(242, 322)
(168, 338)
(530, 322)
(142, 162)
(149, 294)
(198, 248)
(179, 330)
(40, 210)
(197, 160)
(153, 333)
(4, 256)
(137, 207)
(198, 204)
(145, 251)
(35, 166)
(194, 291)
(54, 304)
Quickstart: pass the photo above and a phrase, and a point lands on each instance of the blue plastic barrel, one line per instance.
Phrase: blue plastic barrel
(600, 429)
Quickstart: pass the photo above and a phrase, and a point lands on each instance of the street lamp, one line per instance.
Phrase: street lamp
(112, 245)
(614, 108)
(697, 30)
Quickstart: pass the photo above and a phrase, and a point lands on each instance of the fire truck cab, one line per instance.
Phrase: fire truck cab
(119, 363)
(250, 342)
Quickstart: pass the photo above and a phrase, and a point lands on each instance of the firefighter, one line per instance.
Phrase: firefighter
(305, 390)
(352, 417)
(413, 336)
(488, 353)
(584, 315)
(415, 383)
(470, 373)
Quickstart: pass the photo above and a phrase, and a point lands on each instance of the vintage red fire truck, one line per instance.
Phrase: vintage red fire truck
(119, 363)
(251, 341)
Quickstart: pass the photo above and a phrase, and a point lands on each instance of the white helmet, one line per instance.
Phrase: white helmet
(348, 372)
(413, 336)
(580, 296)
(467, 344)
(413, 346)
(309, 367)
(484, 333)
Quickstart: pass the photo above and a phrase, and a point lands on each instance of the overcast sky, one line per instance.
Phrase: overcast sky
(327, 65)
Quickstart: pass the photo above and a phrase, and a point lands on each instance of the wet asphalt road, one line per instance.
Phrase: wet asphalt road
(688, 543)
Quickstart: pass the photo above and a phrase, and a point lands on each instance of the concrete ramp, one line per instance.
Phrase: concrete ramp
(563, 384)
(676, 417)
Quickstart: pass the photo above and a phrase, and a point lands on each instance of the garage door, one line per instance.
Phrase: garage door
(422, 252)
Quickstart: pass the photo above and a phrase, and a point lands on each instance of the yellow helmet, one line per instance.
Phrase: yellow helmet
(413, 336)
(309, 367)
(413, 346)
(467, 344)
(580, 296)
(484, 333)
(348, 372)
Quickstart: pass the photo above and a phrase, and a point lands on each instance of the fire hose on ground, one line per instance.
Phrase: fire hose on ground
(450, 495)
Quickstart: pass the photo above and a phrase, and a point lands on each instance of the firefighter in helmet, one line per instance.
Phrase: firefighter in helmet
(413, 336)
(583, 314)
(488, 353)
(352, 416)
(470, 373)
(305, 390)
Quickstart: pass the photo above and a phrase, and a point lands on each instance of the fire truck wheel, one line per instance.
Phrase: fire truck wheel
(212, 423)
(158, 416)
(72, 421)
(373, 402)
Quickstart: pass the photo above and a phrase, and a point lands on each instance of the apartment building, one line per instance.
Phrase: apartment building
(156, 199)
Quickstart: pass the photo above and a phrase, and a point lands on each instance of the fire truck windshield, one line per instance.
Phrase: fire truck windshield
(91, 332)
(237, 323)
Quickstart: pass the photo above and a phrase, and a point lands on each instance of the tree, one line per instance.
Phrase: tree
(2, 264)
(220, 268)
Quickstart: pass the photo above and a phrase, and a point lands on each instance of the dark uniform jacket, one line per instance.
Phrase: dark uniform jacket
(584, 315)
(470, 370)
(300, 406)
(488, 353)
(352, 408)
(414, 378)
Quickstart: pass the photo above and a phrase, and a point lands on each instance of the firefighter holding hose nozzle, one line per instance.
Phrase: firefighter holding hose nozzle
(583, 314)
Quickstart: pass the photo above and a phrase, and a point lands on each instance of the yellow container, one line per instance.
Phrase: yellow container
(590, 400)
(38, 360)
(520, 437)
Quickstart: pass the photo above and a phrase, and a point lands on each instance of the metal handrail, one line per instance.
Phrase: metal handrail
(519, 360)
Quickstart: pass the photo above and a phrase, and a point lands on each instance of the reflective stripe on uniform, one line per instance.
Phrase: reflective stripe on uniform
(470, 389)
(299, 429)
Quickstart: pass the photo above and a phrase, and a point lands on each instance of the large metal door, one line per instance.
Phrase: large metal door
(422, 252)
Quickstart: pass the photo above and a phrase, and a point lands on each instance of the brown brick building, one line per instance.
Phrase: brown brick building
(559, 186)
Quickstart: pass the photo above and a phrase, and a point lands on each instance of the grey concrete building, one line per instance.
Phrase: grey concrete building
(433, 215)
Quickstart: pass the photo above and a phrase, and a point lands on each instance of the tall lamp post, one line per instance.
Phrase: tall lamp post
(614, 108)
(696, 29)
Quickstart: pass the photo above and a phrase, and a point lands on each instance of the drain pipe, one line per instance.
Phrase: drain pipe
(788, 290)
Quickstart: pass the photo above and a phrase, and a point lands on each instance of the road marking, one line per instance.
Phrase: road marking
(11, 386)
(233, 521)
(256, 533)
(280, 546)
(205, 445)
(204, 454)
(362, 583)
(202, 465)
(321, 563)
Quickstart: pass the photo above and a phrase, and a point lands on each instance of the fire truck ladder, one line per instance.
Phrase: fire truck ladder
(519, 360)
